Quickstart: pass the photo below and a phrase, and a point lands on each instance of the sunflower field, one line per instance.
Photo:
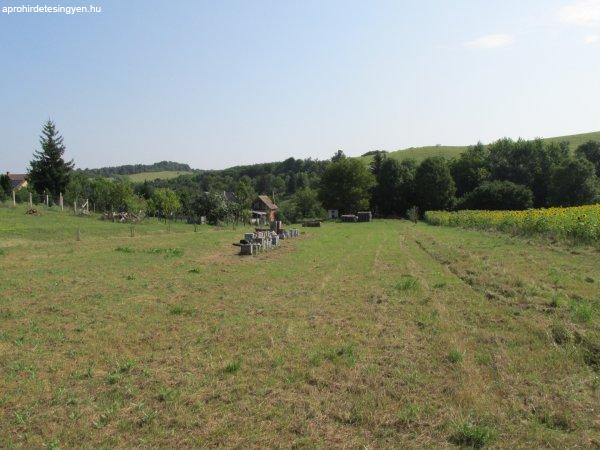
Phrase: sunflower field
(579, 223)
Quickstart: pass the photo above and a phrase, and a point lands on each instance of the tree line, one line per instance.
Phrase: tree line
(506, 174)
(131, 169)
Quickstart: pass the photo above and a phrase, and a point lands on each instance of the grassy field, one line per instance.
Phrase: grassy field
(377, 335)
(151, 176)
(420, 153)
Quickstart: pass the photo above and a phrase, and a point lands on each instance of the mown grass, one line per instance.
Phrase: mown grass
(315, 344)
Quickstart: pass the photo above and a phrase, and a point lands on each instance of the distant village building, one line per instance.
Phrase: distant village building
(264, 209)
(333, 214)
(17, 180)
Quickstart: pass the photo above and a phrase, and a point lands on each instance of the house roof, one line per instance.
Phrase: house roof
(16, 179)
(267, 201)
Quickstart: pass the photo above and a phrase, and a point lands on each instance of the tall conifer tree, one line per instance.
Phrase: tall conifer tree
(49, 172)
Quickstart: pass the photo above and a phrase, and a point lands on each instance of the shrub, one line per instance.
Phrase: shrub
(413, 214)
(498, 195)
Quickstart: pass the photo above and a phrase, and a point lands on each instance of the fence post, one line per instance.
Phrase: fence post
(47, 201)
(14, 198)
(75, 206)
(30, 201)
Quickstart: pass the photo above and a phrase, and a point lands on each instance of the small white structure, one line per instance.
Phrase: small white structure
(333, 214)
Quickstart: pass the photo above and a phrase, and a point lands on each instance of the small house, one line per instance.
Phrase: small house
(333, 214)
(17, 180)
(264, 208)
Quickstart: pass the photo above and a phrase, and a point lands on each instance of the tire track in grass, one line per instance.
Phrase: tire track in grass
(452, 338)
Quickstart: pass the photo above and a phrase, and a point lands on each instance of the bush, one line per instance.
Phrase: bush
(498, 195)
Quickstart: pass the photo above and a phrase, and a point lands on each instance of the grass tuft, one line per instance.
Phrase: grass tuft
(560, 334)
(407, 282)
(168, 252)
(124, 250)
(471, 435)
(233, 366)
(581, 311)
(455, 356)
(344, 355)
(176, 310)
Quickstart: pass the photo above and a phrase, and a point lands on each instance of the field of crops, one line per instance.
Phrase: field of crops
(581, 223)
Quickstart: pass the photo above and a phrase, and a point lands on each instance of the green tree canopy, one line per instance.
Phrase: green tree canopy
(245, 193)
(529, 163)
(214, 207)
(393, 194)
(307, 204)
(590, 151)
(574, 183)
(378, 158)
(48, 170)
(346, 185)
(165, 202)
(434, 185)
(5, 186)
(470, 169)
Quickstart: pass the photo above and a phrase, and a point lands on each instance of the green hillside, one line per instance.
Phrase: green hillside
(151, 176)
(420, 153)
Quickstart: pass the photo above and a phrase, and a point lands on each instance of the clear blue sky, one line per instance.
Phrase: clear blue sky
(219, 83)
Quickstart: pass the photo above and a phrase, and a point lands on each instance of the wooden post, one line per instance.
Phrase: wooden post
(14, 198)
(78, 234)
(60, 199)
(30, 201)
(87, 206)
(47, 201)
(75, 206)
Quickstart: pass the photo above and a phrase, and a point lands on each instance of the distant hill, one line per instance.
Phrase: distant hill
(130, 169)
(163, 175)
(167, 170)
(420, 153)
